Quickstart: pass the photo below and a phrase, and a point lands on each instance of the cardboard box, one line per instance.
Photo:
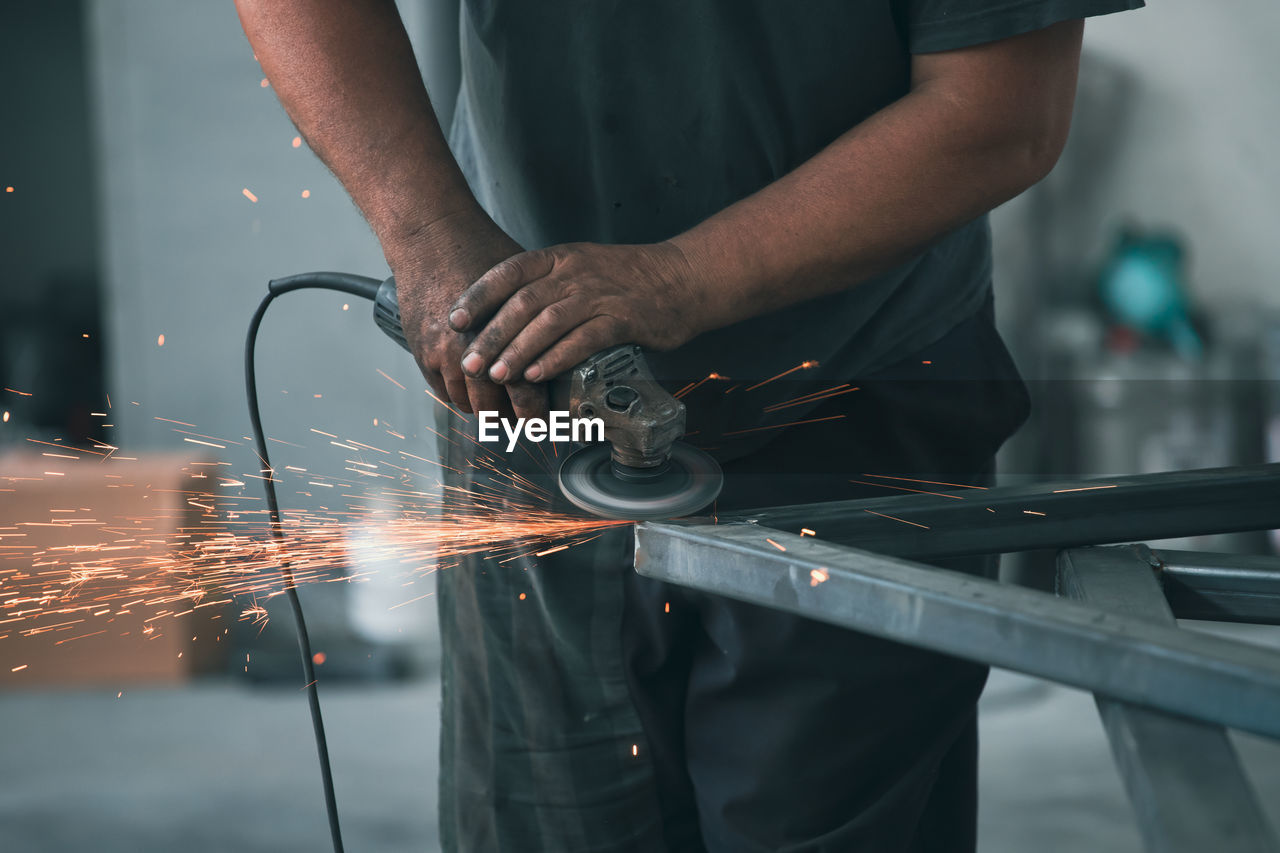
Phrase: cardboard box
(64, 618)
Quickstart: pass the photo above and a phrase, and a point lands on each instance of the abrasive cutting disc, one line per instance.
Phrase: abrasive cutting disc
(691, 481)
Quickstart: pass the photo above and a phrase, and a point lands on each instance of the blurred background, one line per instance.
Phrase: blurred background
(152, 185)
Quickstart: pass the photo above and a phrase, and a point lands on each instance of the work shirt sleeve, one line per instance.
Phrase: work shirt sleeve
(937, 25)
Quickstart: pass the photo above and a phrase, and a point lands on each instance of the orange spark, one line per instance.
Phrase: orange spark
(306, 193)
(297, 142)
(905, 489)
(780, 426)
(774, 544)
(818, 576)
(692, 386)
(804, 365)
(929, 482)
(804, 531)
(160, 341)
(388, 378)
(318, 658)
(443, 403)
(895, 518)
(249, 195)
(812, 398)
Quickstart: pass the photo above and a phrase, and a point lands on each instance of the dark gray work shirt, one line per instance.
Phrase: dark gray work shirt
(612, 121)
(621, 121)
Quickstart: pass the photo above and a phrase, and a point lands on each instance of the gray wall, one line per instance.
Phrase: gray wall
(47, 223)
(1177, 123)
(183, 126)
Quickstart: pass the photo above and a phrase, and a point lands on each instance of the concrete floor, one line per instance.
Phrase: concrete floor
(223, 766)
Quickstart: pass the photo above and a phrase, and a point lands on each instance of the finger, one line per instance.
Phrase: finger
(518, 313)
(528, 399)
(485, 396)
(541, 333)
(496, 286)
(436, 381)
(588, 339)
(439, 386)
(456, 388)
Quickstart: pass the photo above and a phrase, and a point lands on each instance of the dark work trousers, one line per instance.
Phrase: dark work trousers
(609, 712)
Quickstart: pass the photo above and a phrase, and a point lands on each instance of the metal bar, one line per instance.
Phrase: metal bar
(1206, 677)
(1184, 779)
(1221, 587)
(1044, 515)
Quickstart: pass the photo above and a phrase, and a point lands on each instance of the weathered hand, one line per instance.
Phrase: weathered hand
(549, 309)
(430, 272)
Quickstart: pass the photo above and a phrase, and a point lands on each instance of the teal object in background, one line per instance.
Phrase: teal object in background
(1143, 286)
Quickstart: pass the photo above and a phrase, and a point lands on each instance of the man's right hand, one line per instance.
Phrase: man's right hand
(432, 268)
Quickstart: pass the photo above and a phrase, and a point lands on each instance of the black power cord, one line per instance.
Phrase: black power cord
(354, 285)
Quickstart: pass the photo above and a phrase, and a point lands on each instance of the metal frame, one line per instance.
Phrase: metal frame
(1166, 695)
(1183, 777)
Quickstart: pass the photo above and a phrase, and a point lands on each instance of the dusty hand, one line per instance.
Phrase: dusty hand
(549, 309)
(430, 273)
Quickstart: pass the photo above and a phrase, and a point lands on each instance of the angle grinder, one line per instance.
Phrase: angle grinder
(641, 471)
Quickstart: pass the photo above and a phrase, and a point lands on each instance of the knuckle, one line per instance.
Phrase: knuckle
(514, 352)
(492, 336)
(509, 268)
(524, 300)
(558, 313)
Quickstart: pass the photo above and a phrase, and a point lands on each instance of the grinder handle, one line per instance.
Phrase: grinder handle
(386, 312)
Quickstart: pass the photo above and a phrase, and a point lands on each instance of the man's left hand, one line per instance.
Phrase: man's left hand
(550, 309)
